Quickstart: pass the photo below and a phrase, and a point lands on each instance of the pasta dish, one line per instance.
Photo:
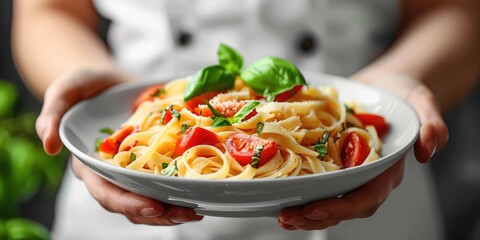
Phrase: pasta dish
(224, 123)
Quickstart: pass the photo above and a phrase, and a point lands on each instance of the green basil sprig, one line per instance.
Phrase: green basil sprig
(230, 58)
(321, 147)
(271, 76)
(219, 120)
(210, 79)
(169, 169)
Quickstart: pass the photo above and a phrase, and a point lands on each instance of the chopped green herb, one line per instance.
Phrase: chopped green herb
(162, 116)
(349, 109)
(106, 130)
(98, 142)
(185, 127)
(133, 157)
(220, 122)
(169, 169)
(157, 93)
(244, 111)
(214, 111)
(256, 156)
(175, 113)
(260, 128)
(320, 146)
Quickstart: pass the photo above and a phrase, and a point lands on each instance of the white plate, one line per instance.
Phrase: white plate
(242, 198)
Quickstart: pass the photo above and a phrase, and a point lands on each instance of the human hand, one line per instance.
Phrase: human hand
(365, 200)
(433, 130)
(62, 94)
(360, 203)
(138, 209)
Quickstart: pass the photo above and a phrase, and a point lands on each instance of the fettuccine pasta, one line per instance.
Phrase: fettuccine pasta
(240, 135)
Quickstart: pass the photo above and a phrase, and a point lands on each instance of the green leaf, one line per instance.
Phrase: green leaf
(133, 157)
(220, 122)
(320, 147)
(158, 92)
(210, 79)
(98, 142)
(107, 131)
(271, 76)
(185, 127)
(260, 128)
(256, 156)
(214, 111)
(230, 58)
(170, 169)
(24, 229)
(348, 109)
(175, 113)
(244, 111)
(8, 97)
(26, 172)
(3, 231)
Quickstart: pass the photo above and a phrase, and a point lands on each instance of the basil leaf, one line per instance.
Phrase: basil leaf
(158, 92)
(348, 109)
(170, 169)
(220, 122)
(98, 142)
(320, 146)
(229, 58)
(133, 157)
(214, 111)
(175, 113)
(210, 79)
(107, 131)
(256, 156)
(244, 111)
(271, 76)
(185, 127)
(260, 128)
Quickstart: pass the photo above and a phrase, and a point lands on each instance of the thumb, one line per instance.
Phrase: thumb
(62, 94)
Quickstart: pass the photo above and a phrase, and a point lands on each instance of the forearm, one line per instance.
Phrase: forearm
(49, 41)
(439, 48)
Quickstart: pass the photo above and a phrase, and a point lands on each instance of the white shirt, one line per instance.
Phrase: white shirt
(154, 37)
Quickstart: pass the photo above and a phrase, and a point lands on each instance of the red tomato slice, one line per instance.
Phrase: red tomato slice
(112, 142)
(242, 147)
(282, 97)
(354, 151)
(199, 100)
(203, 110)
(195, 136)
(148, 95)
(168, 116)
(375, 120)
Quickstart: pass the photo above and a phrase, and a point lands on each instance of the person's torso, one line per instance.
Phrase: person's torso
(154, 37)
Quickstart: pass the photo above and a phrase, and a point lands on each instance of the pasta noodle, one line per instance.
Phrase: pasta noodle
(312, 132)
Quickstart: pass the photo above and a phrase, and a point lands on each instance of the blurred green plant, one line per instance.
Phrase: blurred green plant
(25, 169)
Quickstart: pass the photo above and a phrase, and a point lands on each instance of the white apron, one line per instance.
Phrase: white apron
(154, 37)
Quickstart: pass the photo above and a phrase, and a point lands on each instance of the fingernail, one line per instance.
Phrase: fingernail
(432, 147)
(179, 217)
(149, 212)
(318, 214)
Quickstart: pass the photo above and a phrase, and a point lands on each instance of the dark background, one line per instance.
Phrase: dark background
(456, 168)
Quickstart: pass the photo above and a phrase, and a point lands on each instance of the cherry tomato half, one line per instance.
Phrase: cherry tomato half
(148, 95)
(354, 151)
(375, 120)
(195, 136)
(242, 147)
(112, 142)
(282, 97)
